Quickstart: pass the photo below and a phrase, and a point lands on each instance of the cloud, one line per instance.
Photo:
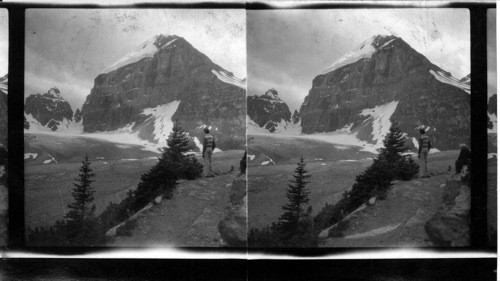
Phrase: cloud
(4, 41)
(288, 48)
(72, 47)
(492, 51)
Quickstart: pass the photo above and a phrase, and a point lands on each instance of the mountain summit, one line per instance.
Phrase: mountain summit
(166, 78)
(49, 109)
(268, 111)
(385, 78)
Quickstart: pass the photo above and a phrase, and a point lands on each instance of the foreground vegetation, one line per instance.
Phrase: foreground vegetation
(81, 227)
(390, 164)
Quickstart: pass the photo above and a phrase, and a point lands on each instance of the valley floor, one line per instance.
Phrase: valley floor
(48, 186)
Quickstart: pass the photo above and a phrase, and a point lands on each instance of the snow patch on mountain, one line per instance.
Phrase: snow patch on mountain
(4, 84)
(51, 160)
(254, 129)
(145, 50)
(448, 79)
(28, 156)
(229, 78)
(65, 126)
(381, 120)
(162, 117)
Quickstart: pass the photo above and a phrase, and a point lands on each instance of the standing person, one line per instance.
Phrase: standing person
(243, 163)
(208, 148)
(464, 159)
(424, 145)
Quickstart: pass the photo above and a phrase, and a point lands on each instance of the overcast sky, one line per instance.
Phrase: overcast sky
(4, 42)
(288, 48)
(69, 48)
(492, 52)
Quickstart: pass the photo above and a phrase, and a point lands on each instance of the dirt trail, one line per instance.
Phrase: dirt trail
(397, 221)
(190, 217)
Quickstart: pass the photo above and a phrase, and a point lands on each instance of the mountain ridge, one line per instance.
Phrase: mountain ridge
(388, 71)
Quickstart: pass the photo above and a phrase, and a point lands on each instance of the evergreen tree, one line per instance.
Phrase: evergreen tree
(394, 144)
(178, 141)
(83, 196)
(172, 165)
(295, 223)
(401, 167)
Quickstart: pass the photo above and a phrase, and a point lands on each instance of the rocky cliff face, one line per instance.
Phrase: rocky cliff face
(268, 110)
(49, 109)
(168, 70)
(383, 71)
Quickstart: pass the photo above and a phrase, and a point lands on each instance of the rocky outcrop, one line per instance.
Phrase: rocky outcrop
(78, 115)
(450, 226)
(233, 228)
(268, 110)
(296, 117)
(49, 109)
(385, 69)
(171, 70)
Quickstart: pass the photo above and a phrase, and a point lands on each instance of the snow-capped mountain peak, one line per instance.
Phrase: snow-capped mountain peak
(272, 95)
(145, 50)
(362, 51)
(54, 93)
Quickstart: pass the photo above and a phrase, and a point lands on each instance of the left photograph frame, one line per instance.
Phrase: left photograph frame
(134, 127)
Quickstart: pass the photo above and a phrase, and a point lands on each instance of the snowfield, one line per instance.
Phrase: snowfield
(379, 116)
(161, 116)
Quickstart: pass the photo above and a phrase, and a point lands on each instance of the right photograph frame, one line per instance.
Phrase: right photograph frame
(359, 128)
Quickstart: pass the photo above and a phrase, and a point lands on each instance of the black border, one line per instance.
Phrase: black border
(16, 118)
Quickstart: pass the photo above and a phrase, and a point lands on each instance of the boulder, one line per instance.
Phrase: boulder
(233, 227)
(450, 226)
(451, 190)
(372, 200)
